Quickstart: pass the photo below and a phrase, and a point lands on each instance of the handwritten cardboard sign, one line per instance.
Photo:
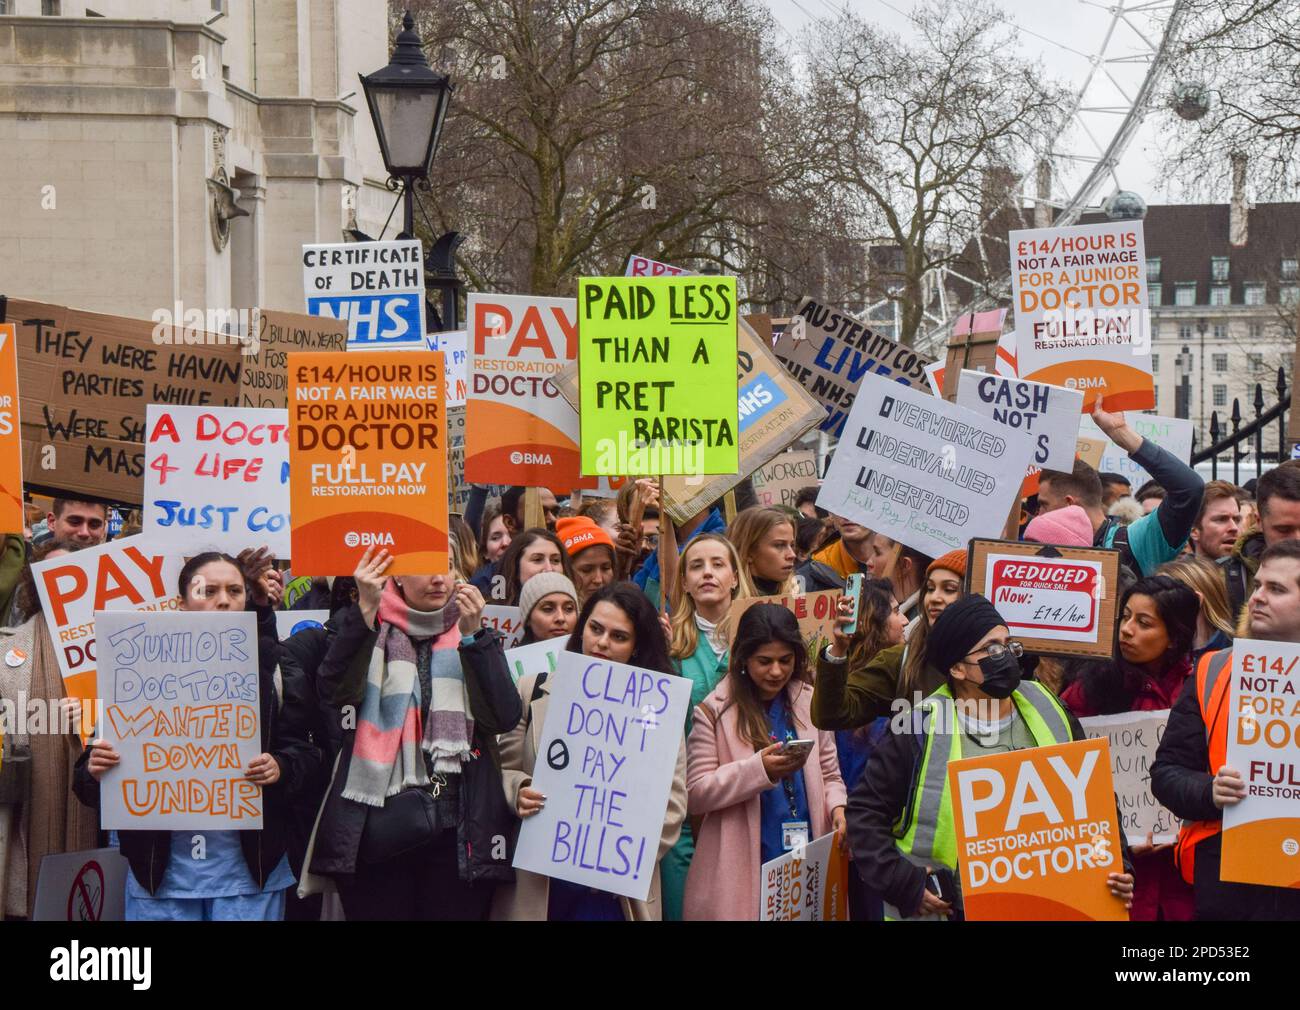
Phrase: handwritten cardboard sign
(1081, 311)
(377, 288)
(1036, 833)
(1133, 738)
(368, 460)
(641, 266)
(454, 345)
(1174, 434)
(780, 481)
(606, 762)
(181, 697)
(1057, 601)
(264, 380)
(12, 519)
(86, 379)
(922, 471)
(217, 478)
(807, 884)
(815, 613)
(1261, 834)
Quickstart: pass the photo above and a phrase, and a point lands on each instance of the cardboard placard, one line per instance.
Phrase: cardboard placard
(217, 479)
(1049, 413)
(519, 429)
(1036, 833)
(815, 613)
(507, 620)
(264, 381)
(86, 379)
(655, 358)
(1261, 834)
(377, 288)
(181, 705)
(829, 352)
(1057, 601)
(12, 516)
(1133, 738)
(924, 472)
(454, 346)
(368, 460)
(780, 481)
(606, 762)
(807, 884)
(535, 658)
(1082, 319)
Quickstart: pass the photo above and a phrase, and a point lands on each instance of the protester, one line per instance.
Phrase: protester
(708, 583)
(1064, 527)
(1146, 543)
(548, 607)
(411, 822)
(77, 522)
(236, 875)
(1157, 627)
(1114, 486)
(466, 543)
(1249, 513)
(1214, 628)
(530, 552)
(1218, 524)
(707, 520)
(1149, 496)
(900, 818)
(604, 513)
(904, 566)
(494, 540)
(810, 536)
(1126, 511)
(591, 554)
(757, 801)
(513, 508)
(619, 625)
(1191, 775)
(1277, 498)
(805, 503)
(829, 567)
(764, 541)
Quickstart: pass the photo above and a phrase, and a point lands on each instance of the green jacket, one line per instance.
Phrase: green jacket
(13, 558)
(848, 699)
(705, 671)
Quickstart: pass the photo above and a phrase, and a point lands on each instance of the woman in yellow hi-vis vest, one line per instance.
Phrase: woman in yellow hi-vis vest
(900, 814)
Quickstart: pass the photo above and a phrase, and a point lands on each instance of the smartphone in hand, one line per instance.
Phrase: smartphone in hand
(796, 748)
(853, 593)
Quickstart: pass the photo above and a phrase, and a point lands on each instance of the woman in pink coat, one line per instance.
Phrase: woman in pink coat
(758, 797)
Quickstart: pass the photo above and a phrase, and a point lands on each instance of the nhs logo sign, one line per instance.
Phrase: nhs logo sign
(376, 287)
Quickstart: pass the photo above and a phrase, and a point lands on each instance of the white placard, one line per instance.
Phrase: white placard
(181, 697)
(924, 472)
(643, 266)
(1134, 737)
(606, 761)
(216, 478)
(506, 620)
(1173, 434)
(1053, 598)
(535, 658)
(1050, 414)
(455, 348)
(290, 622)
(86, 886)
(377, 287)
(807, 884)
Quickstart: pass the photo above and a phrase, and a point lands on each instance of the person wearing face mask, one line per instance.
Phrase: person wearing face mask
(1156, 630)
(900, 816)
(617, 624)
(548, 607)
(757, 801)
(412, 821)
(708, 582)
(235, 875)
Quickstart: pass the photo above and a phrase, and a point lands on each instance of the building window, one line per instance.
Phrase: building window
(1220, 362)
(1184, 294)
(1153, 295)
(1289, 295)
(1254, 294)
(1220, 331)
(51, 8)
(1255, 362)
(1290, 269)
(1220, 396)
(1218, 268)
(1153, 269)
(1184, 331)
(1155, 363)
(1155, 395)
(4, 6)
(1220, 294)
(1256, 331)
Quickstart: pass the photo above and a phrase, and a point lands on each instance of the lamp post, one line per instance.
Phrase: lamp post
(1201, 328)
(1183, 391)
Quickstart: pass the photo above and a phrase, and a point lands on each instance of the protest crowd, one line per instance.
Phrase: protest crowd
(530, 694)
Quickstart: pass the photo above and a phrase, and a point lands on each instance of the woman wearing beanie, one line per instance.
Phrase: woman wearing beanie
(1065, 527)
(847, 696)
(1156, 631)
(900, 816)
(548, 607)
(708, 583)
(591, 554)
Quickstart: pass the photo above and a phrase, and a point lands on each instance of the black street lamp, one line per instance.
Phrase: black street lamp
(408, 104)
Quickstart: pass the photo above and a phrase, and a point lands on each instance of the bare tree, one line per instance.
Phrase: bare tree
(1237, 81)
(923, 135)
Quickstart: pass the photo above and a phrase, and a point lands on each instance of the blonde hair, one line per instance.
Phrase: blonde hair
(685, 637)
(747, 531)
(1205, 578)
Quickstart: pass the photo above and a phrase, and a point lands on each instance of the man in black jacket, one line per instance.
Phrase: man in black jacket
(1278, 501)
(1191, 775)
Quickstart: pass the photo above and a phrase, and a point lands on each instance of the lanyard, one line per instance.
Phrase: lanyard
(787, 783)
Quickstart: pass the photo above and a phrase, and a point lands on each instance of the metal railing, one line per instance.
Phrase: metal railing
(1252, 429)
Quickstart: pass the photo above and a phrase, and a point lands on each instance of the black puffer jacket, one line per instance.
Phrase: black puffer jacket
(284, 736)
(485, 832)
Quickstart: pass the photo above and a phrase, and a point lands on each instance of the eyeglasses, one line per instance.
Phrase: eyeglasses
(996, 650)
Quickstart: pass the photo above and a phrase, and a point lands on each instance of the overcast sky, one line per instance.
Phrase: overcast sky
(1080, 26)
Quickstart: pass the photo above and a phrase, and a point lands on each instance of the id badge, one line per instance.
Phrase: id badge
(794, 834)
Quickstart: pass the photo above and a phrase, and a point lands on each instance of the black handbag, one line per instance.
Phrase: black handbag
(407, 820)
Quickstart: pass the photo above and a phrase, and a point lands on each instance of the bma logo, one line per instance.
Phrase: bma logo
(1087, 382)
(534, 458)
(355, 539)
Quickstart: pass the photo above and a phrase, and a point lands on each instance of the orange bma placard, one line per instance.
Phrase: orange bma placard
(11, 443)
(1037, 834)
(368, 460)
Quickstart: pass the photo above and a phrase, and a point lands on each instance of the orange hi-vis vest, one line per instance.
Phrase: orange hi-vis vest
(1213, 675)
